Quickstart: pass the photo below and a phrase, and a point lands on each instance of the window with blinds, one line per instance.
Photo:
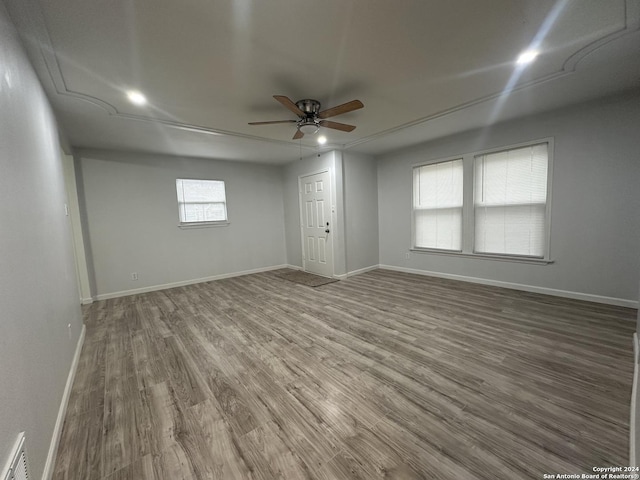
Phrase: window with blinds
(510, 201)
(487, 204)
(201, 201)
(437, 205)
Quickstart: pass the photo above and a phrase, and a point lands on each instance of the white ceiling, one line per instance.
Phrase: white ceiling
(423, 69)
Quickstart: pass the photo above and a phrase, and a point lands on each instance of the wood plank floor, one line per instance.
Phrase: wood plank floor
(384, 375)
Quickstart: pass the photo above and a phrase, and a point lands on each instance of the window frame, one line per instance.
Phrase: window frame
(203, 224)
(468, 195)
(413, 209)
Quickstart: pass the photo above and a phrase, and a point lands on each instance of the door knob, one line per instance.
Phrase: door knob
(326, 230)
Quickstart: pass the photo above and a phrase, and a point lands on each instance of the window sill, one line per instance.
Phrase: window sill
(483, 256)
(188, 226)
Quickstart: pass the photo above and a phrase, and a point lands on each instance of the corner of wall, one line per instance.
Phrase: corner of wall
(84, 227)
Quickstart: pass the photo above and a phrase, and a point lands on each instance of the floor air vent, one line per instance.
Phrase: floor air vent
(18, 466)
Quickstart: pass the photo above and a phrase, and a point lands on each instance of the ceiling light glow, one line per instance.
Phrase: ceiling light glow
(322, 139)
(136, 98)
(308, 127)
(527, 56)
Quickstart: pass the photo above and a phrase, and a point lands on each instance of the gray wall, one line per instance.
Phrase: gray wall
(38, 289)
(595, 224)
(131, 220)
(361, 210)
(332, 162)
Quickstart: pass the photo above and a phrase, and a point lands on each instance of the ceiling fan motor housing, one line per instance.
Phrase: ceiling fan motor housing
(309, 107)
(309, 124)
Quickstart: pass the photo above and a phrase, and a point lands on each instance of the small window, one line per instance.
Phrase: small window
(201, 202)
(510, 203)
(437, 205)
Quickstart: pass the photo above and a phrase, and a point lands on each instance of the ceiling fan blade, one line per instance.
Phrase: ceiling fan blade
(337, 126)
(286, 101)
(340, 109)
(298, 135)
(271, 123)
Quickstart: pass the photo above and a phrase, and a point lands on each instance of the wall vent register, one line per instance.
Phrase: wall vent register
(18, 468)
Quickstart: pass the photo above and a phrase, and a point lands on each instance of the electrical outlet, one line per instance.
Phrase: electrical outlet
(134, 276)
(407, 255)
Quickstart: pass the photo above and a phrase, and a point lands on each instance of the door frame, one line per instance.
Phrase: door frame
(331, 215)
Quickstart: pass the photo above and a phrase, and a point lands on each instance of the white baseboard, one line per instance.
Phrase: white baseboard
(86, 301)
(634, 405)
(621, 302)
(483, 281)
(62, 411)
(362, 270)
(153, 288)
(342, 276)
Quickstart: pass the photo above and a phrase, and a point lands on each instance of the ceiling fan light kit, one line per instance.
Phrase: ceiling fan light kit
(310, 118)
(307, 127)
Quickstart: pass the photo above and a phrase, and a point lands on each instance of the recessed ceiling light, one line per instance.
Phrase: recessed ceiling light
(527, 56)
(322, 139)
(136, 97)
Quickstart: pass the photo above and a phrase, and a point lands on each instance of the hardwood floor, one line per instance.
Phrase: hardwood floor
(384, 375)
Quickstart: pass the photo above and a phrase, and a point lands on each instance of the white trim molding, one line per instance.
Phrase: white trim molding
(634, 405)
(344, 276)
(62, 411)
(362, 270)
(484, 256)
(153, 288)
(588, 297)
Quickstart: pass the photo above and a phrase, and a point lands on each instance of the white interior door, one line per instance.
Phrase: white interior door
(315, 208)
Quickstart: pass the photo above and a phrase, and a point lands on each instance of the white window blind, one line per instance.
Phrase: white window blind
(437, 205)
(201, 201)
(510, 201)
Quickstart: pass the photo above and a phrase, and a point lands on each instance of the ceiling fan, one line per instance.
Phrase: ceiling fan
(311, 118)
